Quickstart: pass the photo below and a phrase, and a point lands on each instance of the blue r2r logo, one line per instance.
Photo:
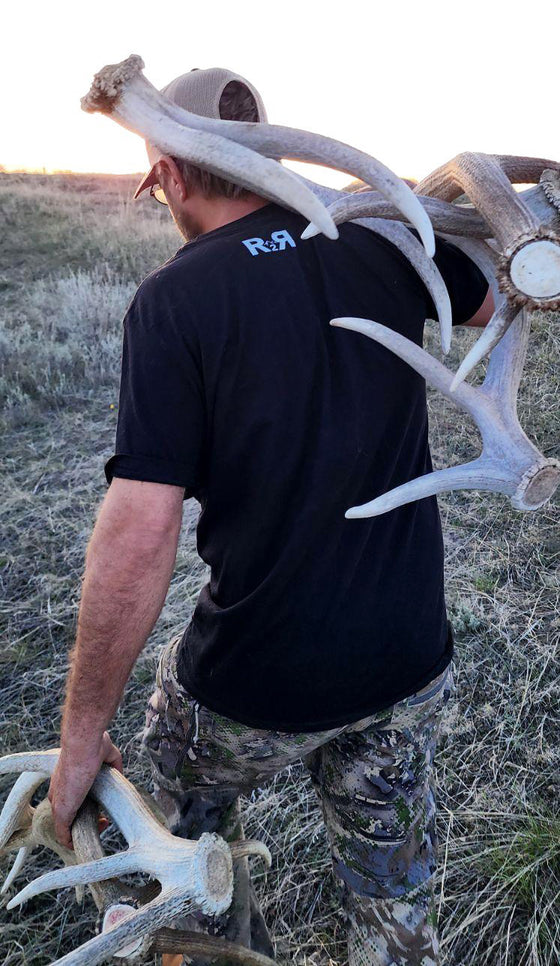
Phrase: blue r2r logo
(276, 243)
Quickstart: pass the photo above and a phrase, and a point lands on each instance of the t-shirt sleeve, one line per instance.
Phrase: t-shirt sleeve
(466, 284)
(161, 415)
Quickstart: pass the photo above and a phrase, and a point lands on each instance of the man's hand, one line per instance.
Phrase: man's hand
(72, 779)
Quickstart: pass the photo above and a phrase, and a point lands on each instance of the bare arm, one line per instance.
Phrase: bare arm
(484, 313)
(129, 562)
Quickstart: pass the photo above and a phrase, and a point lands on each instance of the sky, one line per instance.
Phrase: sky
(412, 84)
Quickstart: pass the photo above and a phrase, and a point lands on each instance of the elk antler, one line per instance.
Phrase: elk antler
(192, 874)
(244, 151)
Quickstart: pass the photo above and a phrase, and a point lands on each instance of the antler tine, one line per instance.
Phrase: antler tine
(245, 847)
(17, 812)
(509, 462)
(109, 867)
(122, 92)
(479, 474)
(192, 943)
(411, 249)
(504, 314)
(88, 848)
(21, 858)
(124, 804)
(498, 325)
(529, 268)
(505, 364)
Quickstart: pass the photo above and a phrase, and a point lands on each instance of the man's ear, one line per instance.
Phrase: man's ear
(169, 175)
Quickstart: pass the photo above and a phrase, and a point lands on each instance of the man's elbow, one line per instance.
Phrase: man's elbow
(484, 313)
(146, 515)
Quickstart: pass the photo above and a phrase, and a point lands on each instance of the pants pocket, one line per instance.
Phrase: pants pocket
(442, 685)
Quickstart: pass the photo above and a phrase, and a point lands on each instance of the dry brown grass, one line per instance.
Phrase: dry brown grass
(73, 254)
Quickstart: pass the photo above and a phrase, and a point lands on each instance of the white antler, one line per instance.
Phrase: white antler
(242, 151)
(509, 462)
(192, 874)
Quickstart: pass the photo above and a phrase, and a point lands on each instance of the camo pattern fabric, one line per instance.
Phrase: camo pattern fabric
(374, 779)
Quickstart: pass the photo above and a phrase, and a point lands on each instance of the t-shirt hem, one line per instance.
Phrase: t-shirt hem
(309, 727)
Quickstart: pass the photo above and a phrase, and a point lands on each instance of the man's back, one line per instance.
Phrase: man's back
(236, 387)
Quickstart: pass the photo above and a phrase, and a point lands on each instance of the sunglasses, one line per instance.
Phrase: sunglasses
(158, 193)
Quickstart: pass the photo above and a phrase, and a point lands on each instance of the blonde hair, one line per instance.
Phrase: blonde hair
(236, 104)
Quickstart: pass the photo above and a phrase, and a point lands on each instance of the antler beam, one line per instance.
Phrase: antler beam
(445, 217)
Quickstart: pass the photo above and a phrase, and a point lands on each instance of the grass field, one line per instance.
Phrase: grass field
(72, 251)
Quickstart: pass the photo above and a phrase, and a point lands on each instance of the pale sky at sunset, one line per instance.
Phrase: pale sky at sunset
(411, 83)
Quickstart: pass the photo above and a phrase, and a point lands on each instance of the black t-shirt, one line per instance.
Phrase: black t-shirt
(235, 387)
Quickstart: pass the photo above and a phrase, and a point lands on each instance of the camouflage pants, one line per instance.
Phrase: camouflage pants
(375, 783)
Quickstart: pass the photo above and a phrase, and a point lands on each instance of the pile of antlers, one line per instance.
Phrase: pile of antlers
(186, 874)
(515, 240)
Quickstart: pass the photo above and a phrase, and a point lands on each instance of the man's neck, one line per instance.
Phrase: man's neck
(211, 213)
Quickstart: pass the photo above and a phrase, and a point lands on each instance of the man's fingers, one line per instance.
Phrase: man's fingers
(114, 758)
(62, 831)
(111, 754)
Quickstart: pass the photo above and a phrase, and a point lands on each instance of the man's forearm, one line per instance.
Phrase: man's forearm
(126, 579)
(129, 563)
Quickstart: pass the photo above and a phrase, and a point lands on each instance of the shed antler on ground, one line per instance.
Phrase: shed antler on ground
(186, 874)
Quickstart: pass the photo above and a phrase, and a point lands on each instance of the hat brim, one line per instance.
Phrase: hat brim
(147, 181)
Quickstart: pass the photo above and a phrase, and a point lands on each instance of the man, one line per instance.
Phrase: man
(316, 637)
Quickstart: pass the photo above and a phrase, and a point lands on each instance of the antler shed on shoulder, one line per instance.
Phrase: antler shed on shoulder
(189, 874)
(509, 462)
(529, 263)
(245, 152)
